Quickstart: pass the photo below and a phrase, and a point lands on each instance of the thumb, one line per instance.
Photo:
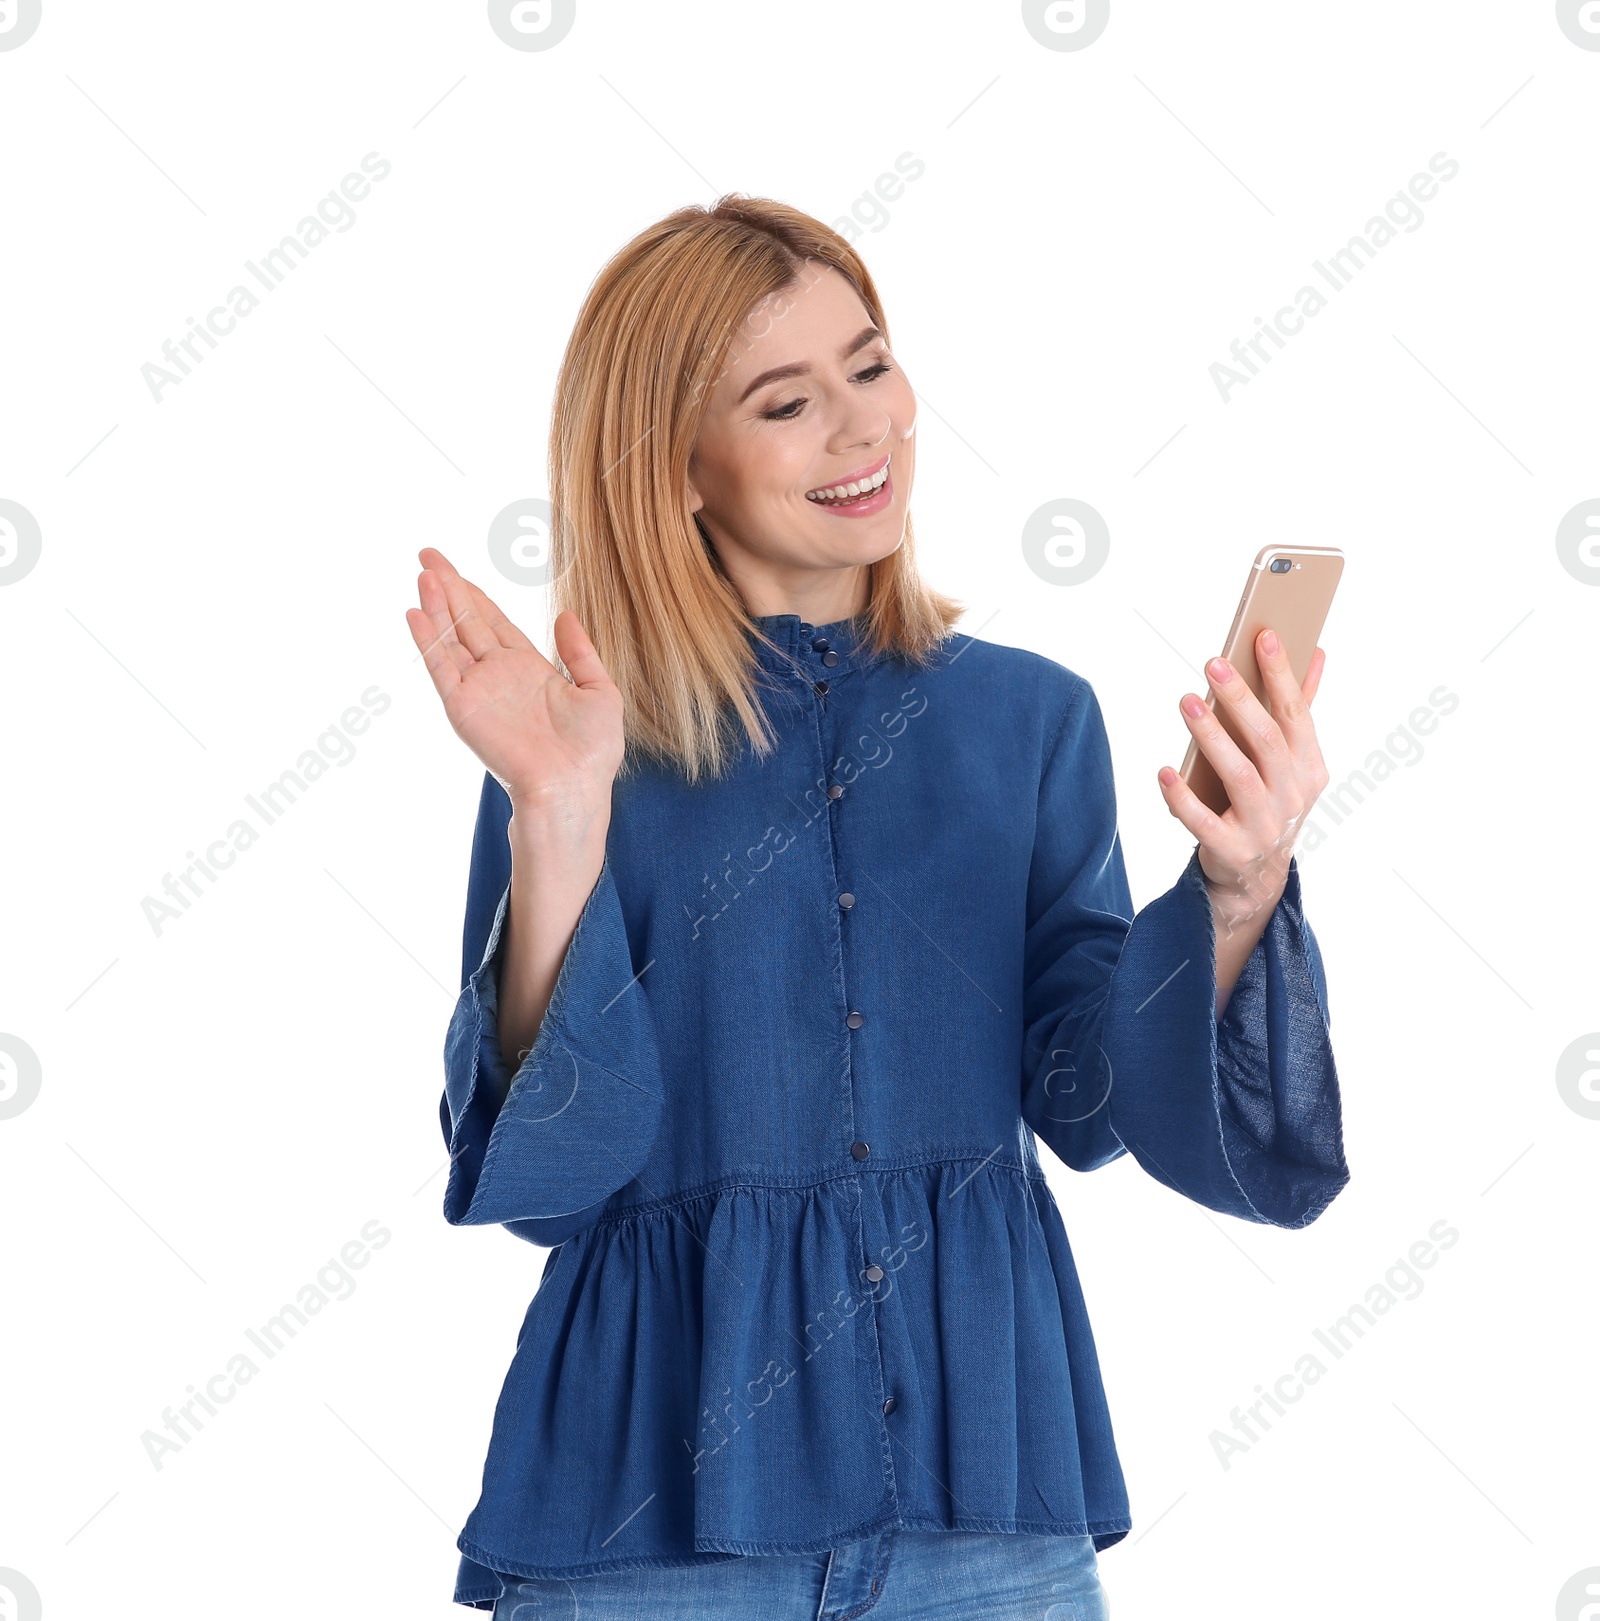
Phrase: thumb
(577, 652)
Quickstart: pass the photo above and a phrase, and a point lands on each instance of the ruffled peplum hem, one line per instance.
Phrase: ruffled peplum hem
(678, 1376)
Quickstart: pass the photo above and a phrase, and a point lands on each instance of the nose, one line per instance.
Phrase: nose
(863, 429)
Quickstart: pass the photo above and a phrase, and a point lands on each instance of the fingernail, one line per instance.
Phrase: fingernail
(1220, 671)
(1269, 643)
(1194, 706)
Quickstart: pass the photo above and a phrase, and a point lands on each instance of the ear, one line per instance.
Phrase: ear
(695, 499)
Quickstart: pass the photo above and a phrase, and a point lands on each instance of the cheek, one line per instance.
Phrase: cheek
(794, 475)
(737, 474)
(902, 405)
(778, 467)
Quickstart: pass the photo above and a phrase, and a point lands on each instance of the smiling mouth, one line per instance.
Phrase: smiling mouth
(843, 495)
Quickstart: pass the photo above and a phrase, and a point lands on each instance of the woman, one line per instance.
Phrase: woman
(789, 915)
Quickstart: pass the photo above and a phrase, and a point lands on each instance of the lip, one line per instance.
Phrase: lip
(850, 478)
(881, 499)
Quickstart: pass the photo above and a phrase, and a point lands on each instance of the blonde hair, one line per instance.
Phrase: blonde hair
(629, 557)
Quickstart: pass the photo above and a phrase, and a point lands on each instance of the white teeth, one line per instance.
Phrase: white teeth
(850, 492)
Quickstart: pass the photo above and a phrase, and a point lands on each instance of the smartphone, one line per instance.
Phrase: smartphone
(1291, 589)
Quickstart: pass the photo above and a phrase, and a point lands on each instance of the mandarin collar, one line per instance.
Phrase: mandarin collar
(810, 652)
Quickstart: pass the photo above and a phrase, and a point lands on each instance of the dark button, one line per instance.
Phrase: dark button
(874, 1274)
(830, 659)
(859, 1150)
(835, 791)
(821, 686)
(820, 645)
(855, 1021)
(889, 1405)
(847, 900)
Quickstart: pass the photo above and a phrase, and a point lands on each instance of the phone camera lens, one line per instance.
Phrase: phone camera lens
(1281, 565)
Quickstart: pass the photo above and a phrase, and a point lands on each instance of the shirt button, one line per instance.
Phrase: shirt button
(874, 1274)
(859, 1150)
(855, 1021)
(847, 900)
(890, 1405)
(835, 791)
(820, 645)
(820, 686)
(830, 659)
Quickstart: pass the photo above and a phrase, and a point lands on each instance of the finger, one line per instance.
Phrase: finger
(1253, 721)
(505, 631)
(443, 572)
(435, 654)
(493, 616)
(1290, 706)
(1192, 811)
(430, 593)
(1236, 769)
(1313, 679)
(472, 631)
(432, 557)
(578, 652)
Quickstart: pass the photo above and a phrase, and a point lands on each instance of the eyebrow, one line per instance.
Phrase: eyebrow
(800, 369)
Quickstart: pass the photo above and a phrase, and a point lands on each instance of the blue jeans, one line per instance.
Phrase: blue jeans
(896, 1576)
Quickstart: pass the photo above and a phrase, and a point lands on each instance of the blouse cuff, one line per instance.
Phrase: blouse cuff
(1247, 1121)
(579, 1116)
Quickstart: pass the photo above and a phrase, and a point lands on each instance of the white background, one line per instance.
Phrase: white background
(225, 1104)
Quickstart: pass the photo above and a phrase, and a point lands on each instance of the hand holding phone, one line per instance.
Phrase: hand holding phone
(1291, 589)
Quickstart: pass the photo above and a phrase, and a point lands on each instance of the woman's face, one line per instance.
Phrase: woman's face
(810, 400)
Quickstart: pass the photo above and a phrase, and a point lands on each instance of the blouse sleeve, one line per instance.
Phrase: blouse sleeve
(1123, 1051)
(577, 1118)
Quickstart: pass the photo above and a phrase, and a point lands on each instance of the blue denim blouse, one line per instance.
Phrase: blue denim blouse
(807, 1281)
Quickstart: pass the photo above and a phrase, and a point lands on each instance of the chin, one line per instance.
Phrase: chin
(875, 548)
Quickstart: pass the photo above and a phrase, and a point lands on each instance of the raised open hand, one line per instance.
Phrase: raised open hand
(546, 740)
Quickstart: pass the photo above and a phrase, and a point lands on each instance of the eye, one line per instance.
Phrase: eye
(788, 411)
